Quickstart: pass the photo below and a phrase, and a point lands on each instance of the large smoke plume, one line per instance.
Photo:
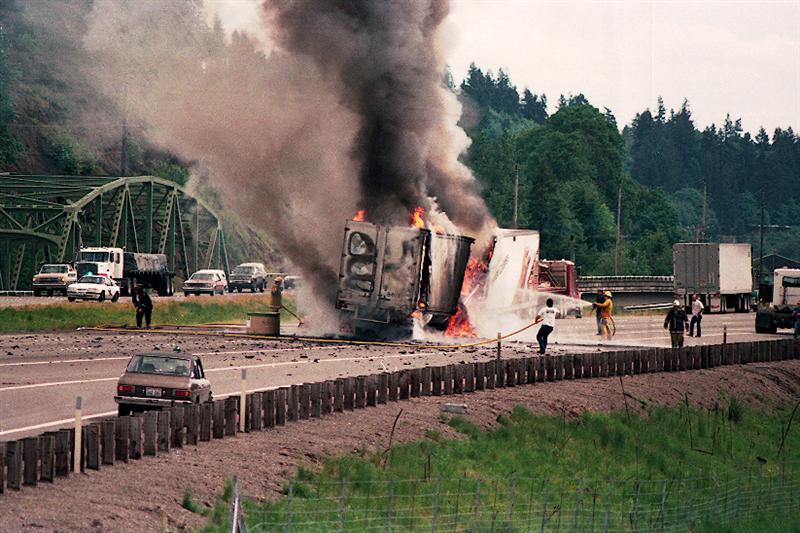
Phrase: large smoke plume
(348, 111)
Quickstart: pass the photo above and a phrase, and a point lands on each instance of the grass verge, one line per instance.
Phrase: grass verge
(680, 468)
(166, 312)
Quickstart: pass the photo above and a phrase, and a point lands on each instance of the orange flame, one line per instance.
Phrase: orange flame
(361, 215)
(417, 219)
(475, 274)
(459, 325)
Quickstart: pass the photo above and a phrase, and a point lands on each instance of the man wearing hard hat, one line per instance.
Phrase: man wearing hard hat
(676, 322)
(606, 310)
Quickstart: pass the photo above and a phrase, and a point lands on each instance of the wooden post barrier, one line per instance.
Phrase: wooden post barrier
(305, 398)
(121, 441)
(247, 415)
(2, 467)
(436, 380)
(404, 379)
(540, 369)
(268, 399)
(30, 454)
(416, 382)
(256, 411)
(316, 399)
(383, 387)
(578, 365)
(191, 418)
(243, 403)
(338, 397)
(447, 378)
(480, 375)
(164, 430)
(93, 446)
(150, 429)
(530, 370)
(394, 385)
(458, 379)
(361, 392)
(569, 366)
(426, 381)
(232, 408)
(176, 426)
(107, 442)
(683, 356)
(292, 411)
(135, 436)
(218, 424)
(510, 371)
(14, 464)
(372, 390)
(48, 457)
(469, 378)
(559, 367)
(499, 374)
(349, 393)
(207, 413)
(603, 364)
(280, 406)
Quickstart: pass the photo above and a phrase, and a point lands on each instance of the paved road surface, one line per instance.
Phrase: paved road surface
(41, 374)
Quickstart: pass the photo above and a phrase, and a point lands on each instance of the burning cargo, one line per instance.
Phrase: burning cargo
(387, 273)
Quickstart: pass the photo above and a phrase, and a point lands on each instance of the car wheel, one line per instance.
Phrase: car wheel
(212, 292)
(124, 410)
(238, 289)
(261, 287)
(102, 297)
(115, 297)
(71, 298)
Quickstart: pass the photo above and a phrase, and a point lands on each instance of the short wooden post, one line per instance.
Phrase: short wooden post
(191, 418)
(499, 373)
(416, 382)
(243, 403)
(491, 371)
(372, 399)
(426, 381)
(361, 392)
(559, 367)
(469, 377)
(383, 387)
(218, 425)
(14, 464)
(436, 380)
(76, 450)
(519, 364)
(447, 380)
(327, 397)
(305, 398)
(121, 440)
(458, 379)
(540, 369)
(48, 456)
(549, 368)
(569, 366)
(338, 398)
(405, 384)
(394, 385)
(638, 357)
(135, 436)
(510, 370)
(293, 410)
(499, 346)
(232, 409)
(149, 444)
(280, 406)
(604, 364)
(30, 453)
(269, 408)
(316, 399)
(480, 375)
(578, 365)
(2, 467)
(176, 426)
(207, 413)
(164, 430)
(619, 362)
(93, 446)
(349, 393)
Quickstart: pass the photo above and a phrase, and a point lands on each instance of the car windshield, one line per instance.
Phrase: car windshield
(93, 279)
(54, 269)
(244, 270)
(94, 257)
(202, 277)
(156, 364)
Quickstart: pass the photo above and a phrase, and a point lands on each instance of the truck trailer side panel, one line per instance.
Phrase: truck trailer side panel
(735, 272)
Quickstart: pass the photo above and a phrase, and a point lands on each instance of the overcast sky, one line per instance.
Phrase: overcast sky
(737, 57)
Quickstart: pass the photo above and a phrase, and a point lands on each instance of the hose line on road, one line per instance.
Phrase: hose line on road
(317, 339)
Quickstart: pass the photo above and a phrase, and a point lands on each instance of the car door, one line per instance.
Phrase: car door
(200, 384)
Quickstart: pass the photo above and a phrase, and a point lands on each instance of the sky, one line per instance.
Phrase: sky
(738, 57)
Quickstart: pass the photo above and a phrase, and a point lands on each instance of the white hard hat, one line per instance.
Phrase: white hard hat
(676, 303)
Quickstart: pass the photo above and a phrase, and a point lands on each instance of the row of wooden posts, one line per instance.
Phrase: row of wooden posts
(42, 458)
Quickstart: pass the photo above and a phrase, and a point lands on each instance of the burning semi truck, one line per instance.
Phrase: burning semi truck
(389, 274)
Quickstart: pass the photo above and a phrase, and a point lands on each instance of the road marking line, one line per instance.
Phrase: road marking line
(54, 423)
(53, 384)
(31, 363)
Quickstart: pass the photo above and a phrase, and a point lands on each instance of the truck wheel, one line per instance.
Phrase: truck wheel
(115, 297)
(37, 293)
(124, 410)
(71, 298)
(261, 287)
(253, 288)
(102, 297)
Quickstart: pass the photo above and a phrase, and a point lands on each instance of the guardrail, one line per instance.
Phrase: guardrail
(58, 454)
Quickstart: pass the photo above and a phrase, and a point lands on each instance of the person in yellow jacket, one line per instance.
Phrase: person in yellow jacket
(606, 319)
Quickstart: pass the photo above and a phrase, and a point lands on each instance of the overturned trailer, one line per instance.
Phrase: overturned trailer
(388, 273)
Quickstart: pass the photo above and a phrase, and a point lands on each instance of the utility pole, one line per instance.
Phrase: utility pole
(516, 195)
(761, 243)
(617, 251)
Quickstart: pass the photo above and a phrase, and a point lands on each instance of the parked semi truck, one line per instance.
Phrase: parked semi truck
(785, 295)
(720, 273)
(127, 269)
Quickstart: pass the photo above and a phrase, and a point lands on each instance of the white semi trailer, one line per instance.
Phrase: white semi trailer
(720, 273)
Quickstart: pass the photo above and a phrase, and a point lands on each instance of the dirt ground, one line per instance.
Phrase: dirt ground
(146, 495)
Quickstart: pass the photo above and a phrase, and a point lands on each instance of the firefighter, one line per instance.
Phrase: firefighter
(596, 309)
(606, 310)
(676, 322)
(143, 304)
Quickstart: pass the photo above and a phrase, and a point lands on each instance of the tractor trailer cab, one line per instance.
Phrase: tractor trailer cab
(785, 295)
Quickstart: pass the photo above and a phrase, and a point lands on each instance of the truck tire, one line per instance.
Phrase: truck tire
(71, 298)
(115, 297)
(37, 292)
(102, 297)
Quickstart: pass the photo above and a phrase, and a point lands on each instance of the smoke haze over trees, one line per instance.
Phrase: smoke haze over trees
(72, 73)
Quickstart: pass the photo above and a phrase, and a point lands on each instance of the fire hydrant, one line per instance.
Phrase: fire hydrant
(276, 295)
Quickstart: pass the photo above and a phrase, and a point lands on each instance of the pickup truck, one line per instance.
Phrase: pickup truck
(53, 278)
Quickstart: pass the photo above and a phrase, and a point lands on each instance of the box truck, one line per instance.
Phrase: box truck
(720, 273)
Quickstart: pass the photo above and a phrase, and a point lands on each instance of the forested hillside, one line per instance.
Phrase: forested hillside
(573, 163)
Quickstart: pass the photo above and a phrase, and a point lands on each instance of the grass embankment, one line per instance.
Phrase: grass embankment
(166, 312)
(714, 470)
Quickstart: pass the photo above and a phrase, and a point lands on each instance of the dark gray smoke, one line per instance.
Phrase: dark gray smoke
(384, 60)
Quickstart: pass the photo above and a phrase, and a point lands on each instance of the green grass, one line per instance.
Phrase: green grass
(717, 462)
(166, 312)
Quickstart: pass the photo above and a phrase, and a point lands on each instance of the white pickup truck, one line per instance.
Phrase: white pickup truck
(53, 278)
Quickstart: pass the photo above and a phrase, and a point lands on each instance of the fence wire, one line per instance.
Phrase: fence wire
(529, 505)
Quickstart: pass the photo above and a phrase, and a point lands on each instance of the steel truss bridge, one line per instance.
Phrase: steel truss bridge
(47, 219)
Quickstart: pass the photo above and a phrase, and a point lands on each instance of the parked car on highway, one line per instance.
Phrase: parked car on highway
(248, 276)
(292, 283)
(52, 278)
(156, 380)
(206, 282)
(92, 287)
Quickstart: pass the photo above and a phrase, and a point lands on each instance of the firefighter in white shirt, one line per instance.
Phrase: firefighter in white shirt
(547, 316)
